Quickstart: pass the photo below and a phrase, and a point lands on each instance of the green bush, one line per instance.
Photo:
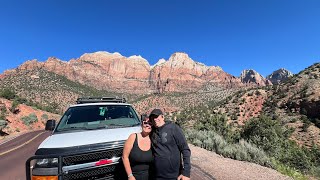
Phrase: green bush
(32, 118)
(265, 133)
(14, 105)
(3, 124)
(44, 117)
(289, 171)
(258, 93)
(242, 150)
(8, 94)
(274, 140)
(3, 113)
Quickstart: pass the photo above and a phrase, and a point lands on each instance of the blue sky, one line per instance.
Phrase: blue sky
(264, 35)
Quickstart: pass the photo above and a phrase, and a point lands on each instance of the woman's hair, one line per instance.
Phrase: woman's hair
(144, 117)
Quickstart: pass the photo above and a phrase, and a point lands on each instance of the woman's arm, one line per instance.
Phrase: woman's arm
(125, 155)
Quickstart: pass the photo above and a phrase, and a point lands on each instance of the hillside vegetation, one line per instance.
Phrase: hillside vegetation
(49, 91)
(16, 118)
(173, 102)
(275, 126)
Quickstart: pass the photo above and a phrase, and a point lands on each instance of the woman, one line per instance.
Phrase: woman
(137, 155)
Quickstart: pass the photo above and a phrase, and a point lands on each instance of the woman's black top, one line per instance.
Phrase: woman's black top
(140, 162)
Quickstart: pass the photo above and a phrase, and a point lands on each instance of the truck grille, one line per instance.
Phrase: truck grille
(91, 157)
(109, 172)
(98, 173)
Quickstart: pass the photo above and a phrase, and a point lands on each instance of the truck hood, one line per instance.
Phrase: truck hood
(88, 137)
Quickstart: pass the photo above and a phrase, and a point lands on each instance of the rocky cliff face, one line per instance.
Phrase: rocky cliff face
(279, 76)
(252, 77)
(102, 70)
(114, 72)
(180, 73)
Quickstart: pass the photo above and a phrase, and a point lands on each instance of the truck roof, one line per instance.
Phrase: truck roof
(100, 103)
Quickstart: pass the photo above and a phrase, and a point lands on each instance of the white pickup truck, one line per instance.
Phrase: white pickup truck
(87, 142)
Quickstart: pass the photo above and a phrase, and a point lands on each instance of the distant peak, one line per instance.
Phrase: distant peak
(179, 56)
(31, 60)
(252, 76)
(116, 53)
(105, 53)
(279, 76)
(138, 58)
(159, 63)
(52, 58)
(249, 71)
(99, 56)
(101, 53)
(135, 57)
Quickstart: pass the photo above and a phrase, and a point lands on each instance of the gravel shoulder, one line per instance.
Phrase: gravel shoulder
(226, 168)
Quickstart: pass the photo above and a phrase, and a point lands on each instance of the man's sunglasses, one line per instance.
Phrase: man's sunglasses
(154, 117)
(147, 123)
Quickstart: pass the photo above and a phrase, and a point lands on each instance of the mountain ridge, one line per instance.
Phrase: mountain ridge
(112, 71)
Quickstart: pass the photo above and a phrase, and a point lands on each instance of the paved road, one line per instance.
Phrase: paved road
(14, 153)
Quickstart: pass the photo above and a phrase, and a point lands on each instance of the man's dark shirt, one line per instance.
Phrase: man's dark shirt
(168, 143)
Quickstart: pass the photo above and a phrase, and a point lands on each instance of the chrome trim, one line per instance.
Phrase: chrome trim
(89, 165)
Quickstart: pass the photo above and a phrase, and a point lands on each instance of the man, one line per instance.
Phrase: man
(168, 143)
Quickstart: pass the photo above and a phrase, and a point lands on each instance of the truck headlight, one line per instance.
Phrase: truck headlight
(47, 162)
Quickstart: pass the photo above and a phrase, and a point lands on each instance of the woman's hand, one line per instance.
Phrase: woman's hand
(131, 178)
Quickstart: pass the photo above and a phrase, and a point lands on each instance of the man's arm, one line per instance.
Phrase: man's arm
(184, 149)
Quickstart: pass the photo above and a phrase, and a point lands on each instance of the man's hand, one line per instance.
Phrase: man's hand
(182, 177)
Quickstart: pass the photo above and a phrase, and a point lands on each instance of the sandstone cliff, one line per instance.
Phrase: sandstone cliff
(114, 72)
(252, 77)
(279, 76)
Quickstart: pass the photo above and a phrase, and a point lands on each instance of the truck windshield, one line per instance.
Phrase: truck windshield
(97, 116)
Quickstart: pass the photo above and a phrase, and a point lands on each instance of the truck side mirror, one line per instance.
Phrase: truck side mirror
(50, 125)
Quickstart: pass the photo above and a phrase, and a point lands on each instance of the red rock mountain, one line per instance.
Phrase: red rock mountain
(114, 72)
(251, 76)
(279, 76)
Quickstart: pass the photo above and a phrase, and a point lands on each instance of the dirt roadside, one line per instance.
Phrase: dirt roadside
(228, 169)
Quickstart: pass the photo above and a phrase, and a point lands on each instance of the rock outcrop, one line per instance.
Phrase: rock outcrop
(251, 76)
(279, 76)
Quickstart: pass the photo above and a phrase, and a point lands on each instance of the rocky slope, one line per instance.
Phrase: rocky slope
(279, 76)
(181, 74)
(252, 77)
(49, 89)
(296, 102)
(23, 118)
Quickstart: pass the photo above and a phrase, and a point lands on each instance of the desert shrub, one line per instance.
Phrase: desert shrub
(44, 117)
(241, 150)
(3, 113)
(273, 138)
(3, 124)
(258, 93)
(7, 93)
(293, 120)
(289, 171)
(14, 105)
(234, 116)
(265, 133)
(32, 118)
(305, 126)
